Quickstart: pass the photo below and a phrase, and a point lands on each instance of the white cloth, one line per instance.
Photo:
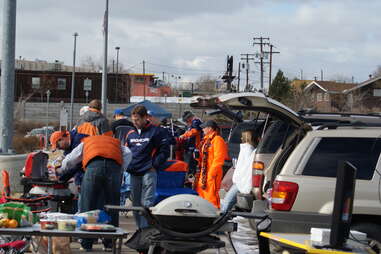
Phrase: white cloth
(245, 238)
(242, 176)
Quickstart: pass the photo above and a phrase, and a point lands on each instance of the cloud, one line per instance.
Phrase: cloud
(193, 38)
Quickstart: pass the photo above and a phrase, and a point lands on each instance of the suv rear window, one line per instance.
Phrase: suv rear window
(236, 134)
(274, 136)
(363, 153)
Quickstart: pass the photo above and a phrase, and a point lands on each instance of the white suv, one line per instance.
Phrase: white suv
(303, 192)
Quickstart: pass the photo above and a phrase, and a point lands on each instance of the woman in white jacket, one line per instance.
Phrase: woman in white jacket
(242, 176)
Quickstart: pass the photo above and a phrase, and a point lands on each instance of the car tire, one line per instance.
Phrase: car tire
(373, 234)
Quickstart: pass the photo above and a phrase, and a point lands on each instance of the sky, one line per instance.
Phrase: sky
(188, 40)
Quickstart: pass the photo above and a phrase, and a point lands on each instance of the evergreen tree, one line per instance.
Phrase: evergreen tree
(280, 88)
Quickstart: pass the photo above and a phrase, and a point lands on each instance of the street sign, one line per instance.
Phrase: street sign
(64, 116)
(87, 84)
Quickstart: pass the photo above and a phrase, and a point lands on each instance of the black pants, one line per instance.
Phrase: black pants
(192, 163)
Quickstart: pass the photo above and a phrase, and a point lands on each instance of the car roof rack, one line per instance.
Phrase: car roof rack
(306, 112)
(335, 125)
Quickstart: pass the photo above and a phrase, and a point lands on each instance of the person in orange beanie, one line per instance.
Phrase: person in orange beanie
(213, 152)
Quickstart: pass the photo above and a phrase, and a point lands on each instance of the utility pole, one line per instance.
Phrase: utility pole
(271, 62)
(321, 75)
(8, 74)
(301, 74)
(247, 58)
(116, 75)
(73, 82)
(144, 78)
(239, 76)
(261, 43)
(104, 72)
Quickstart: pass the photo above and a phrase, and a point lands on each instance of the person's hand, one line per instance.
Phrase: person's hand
(191, 178)
(58, 170)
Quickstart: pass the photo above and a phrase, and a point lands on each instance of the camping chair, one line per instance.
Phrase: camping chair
(171, 179)
(36, 204)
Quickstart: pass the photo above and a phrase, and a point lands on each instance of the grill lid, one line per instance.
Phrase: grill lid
(185, 205)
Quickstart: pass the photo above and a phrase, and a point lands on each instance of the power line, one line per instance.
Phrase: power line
(247, 58)
(261, 43)
(186, 69)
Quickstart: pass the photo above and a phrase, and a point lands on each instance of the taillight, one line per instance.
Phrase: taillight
(283, 195)
(258, 168)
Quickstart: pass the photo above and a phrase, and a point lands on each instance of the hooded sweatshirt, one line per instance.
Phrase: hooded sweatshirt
(92, 123)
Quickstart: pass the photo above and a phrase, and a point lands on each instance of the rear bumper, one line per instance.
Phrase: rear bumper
(297, 222)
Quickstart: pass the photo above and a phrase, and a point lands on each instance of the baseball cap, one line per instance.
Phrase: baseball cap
(209, 123)
(187, 115)
(118, 112)
(57, 135)
(83, 110)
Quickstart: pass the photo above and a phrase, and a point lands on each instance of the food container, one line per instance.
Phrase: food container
(66, 224)
(48, 224)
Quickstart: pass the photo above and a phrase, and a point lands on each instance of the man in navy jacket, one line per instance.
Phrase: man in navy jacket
(150, 149)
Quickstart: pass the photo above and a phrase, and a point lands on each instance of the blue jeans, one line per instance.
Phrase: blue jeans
(125, 188)
(143, 190)
(101, 186)
(230, 199)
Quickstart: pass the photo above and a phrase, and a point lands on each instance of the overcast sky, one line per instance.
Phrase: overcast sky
(191, 39)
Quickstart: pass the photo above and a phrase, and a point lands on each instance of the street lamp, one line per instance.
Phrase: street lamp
(47, 119)
(117, 69)
(73, 81)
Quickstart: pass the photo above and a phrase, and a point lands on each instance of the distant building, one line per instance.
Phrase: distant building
(327, 96)
(365, 97)
(148, 85)
(42, 65)
(32, 85)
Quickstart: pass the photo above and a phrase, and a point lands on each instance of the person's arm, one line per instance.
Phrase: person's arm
(127, 156)
(69, 173)
(72, 159)
(160, 143)
(195, 130)
(189, 134)
(220, 153)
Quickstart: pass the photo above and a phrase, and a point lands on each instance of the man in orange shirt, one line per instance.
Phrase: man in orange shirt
(213, 152)
(103, 159)
(191, 139)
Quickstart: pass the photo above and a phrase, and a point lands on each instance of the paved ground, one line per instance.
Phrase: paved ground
(128, 224)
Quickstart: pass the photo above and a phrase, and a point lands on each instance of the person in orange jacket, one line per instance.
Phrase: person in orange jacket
(190, 140)
(104, 159)
(213, 152)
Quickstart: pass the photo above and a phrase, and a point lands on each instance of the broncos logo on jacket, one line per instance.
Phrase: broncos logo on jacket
(149, 148)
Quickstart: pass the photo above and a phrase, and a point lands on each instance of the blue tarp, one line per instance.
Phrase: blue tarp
(152, 108)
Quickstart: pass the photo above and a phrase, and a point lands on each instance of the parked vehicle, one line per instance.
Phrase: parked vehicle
(303, 192)
(283, 127)
(41, 132)
(295, 127)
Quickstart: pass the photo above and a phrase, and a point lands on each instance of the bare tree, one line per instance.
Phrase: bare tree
(206, 84)
(340, 78)
(299, 98)
(377, 72)
(90, 63)
(20, 105)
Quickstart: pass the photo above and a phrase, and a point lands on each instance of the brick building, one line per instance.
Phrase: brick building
(32, 85)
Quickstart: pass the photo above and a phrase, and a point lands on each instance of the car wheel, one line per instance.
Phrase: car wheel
(373, 234)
